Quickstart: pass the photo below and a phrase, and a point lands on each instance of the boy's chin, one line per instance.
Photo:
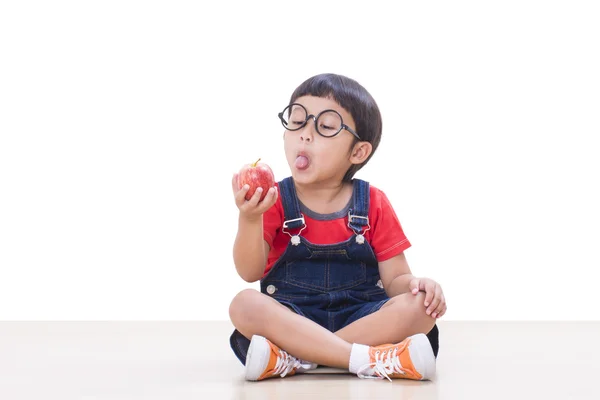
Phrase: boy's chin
(302, 176)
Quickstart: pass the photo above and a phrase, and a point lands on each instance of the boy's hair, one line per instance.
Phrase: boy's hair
(353, 98)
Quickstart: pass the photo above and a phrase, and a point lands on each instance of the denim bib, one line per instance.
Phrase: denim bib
(331, 284)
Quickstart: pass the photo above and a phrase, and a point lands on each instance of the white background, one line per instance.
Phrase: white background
(122, 123)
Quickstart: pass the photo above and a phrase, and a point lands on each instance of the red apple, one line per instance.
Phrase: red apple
(256, 175)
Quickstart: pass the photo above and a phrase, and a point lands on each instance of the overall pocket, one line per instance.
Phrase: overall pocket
(326, 271)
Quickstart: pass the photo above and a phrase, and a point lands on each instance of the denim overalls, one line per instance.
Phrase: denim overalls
(333, 285)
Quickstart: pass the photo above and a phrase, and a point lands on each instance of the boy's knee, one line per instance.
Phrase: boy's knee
(239, 302)
(414, 307)
(242, 306)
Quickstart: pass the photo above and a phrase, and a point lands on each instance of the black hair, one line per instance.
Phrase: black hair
(353, 98)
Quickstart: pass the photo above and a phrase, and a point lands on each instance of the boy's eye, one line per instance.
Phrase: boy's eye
(329, 122)
(297, 122)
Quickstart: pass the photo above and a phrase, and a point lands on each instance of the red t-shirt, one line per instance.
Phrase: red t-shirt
(386, 236)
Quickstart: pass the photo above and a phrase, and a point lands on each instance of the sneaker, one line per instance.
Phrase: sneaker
(265, 360)
(410, 359)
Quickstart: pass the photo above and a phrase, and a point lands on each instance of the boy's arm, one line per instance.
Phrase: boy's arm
(250, 250)
(395, 275)
(394, 272)
(388, 238)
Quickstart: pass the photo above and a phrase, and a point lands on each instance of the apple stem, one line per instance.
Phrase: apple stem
(254, 165)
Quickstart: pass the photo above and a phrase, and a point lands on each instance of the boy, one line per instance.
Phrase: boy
(336, 288)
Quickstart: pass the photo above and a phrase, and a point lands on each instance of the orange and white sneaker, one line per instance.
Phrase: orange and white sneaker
(410, 359)
(265, 360)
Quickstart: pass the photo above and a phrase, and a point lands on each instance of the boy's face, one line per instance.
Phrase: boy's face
(313, 158)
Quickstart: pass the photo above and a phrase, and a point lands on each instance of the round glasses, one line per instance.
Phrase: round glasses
(328, 123)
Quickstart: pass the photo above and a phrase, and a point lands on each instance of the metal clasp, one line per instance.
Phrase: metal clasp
(360, 236)
(285, 223)
(296, 237)
(350, 216)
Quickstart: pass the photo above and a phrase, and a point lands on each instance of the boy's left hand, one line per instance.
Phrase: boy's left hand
(434, 297)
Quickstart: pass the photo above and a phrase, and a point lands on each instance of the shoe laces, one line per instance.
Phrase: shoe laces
(285, 364)
(387, 362)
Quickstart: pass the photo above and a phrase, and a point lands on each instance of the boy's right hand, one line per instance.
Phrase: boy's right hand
(252, 209)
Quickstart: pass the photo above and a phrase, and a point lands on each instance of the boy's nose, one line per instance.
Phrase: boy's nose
(306, 134)
(305, 137)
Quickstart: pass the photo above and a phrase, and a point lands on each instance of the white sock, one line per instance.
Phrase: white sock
(359, 356)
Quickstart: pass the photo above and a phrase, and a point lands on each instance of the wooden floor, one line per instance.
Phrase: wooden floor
(192, 360)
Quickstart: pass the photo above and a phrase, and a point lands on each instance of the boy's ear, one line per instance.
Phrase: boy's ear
(360, 152)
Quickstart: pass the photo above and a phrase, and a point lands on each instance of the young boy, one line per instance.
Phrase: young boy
(336, 289)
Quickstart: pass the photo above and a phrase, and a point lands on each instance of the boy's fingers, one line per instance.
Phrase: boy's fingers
(438, 314)
(442, 307)
(435, 303)
(240, 195)
(429, 294)
(274, 195)
(443, 312)
(269, 200)
(414, 286)
(255, 197)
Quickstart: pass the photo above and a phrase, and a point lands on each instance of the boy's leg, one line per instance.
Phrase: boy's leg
(258, 316)
(400, 317)
(254, 313)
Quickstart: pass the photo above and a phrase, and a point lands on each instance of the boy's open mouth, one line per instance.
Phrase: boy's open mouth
(302, 161)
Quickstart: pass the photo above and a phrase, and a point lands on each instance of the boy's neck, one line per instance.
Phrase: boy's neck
(325, 197)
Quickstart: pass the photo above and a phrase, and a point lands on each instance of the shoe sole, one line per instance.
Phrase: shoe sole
(257, 358)
(422, 356)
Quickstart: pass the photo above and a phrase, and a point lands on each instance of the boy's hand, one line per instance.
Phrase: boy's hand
(252, 209)
(434, 297)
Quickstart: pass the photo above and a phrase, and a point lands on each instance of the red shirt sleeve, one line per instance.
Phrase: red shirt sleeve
(272, 221)
(388, 238)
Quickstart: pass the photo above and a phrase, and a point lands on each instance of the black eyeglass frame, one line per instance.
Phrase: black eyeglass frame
(309, 116)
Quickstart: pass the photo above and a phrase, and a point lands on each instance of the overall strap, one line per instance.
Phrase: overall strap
(358, 215)
(291, 207)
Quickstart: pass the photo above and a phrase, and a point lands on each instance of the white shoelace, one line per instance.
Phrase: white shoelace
(285, 364)
(386, 363)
